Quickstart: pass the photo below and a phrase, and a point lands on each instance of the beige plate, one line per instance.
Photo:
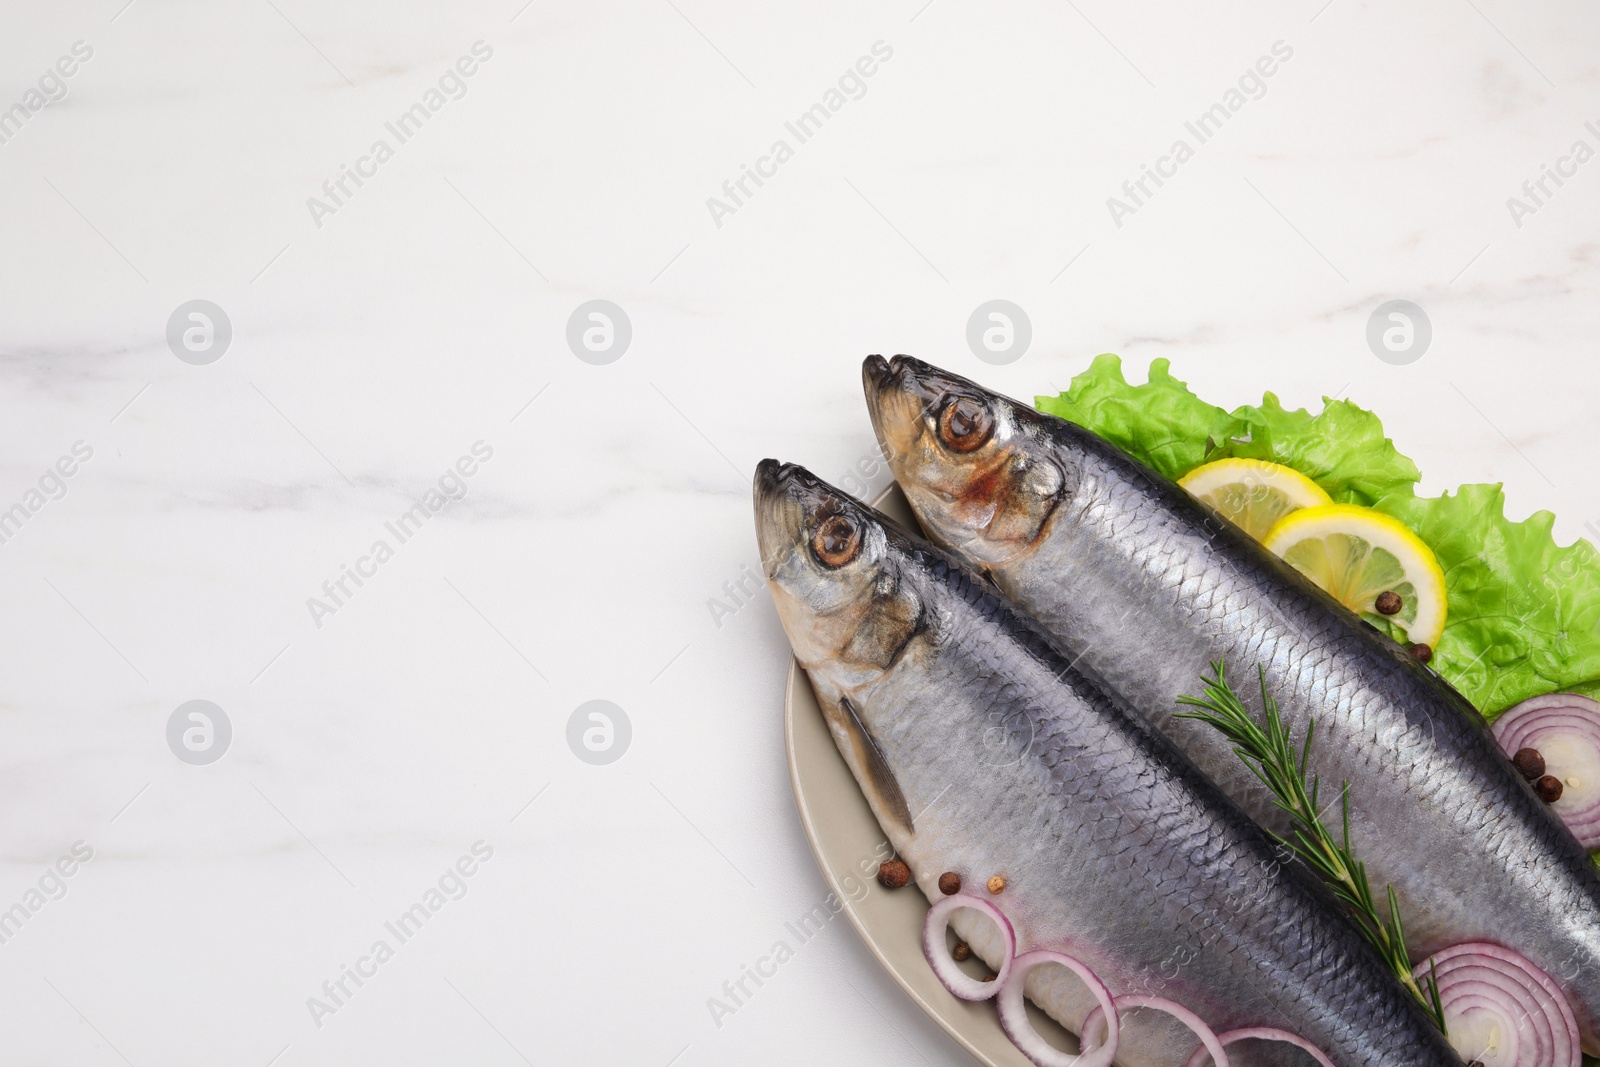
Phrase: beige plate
(846, 839)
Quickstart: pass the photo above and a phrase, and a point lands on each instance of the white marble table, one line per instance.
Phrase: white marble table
(381, 332)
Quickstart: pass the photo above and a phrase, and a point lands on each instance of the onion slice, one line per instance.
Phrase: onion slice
(1014, 1013)
(1094, 1025)
(1565, 729)
(1501, 1010)
(944, 965)
(1262, 1033)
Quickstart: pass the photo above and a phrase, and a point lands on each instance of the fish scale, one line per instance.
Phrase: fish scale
(998, 756)
(1382, 723)
(1145, 586)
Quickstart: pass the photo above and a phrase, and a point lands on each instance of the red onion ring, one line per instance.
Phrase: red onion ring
(1010, 982)
(1501, 1009)
(1014, 1013)
(1095, 1023)
(1565, 728)
(1262, 1033)
(944, 965)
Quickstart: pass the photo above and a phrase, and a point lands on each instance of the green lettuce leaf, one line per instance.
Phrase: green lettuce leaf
(1161, 422)
(1342, 448)
(1524, 613)
(1164, 424)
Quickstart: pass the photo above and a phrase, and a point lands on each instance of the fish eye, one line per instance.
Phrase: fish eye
(837, 541)
(965, 424)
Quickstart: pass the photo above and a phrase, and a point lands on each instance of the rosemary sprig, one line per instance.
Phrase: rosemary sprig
(1271, 753)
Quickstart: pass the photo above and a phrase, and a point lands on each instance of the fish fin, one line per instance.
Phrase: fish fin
(875, 767)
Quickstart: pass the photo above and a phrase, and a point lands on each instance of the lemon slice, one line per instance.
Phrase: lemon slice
(1253, 493)
(1356, 554)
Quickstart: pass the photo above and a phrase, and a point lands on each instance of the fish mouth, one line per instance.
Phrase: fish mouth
(775, 481)
(899, 396)
(770, 474)
(908, 374)
(777, 520)
(877, 382)
(875, 374)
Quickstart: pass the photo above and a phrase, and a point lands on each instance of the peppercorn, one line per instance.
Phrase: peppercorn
(1389, 602)
(1549, 788)
(1530, 763)
(949, 883)
(997, 885)
(990, 977)
(961, 951)
(893, 874)
(1421, 651)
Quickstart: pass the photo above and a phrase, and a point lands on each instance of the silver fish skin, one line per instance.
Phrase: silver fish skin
(1144, 586)
(983, 751)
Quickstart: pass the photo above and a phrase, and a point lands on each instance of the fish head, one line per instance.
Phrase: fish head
(835, 574)
(976, 466)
